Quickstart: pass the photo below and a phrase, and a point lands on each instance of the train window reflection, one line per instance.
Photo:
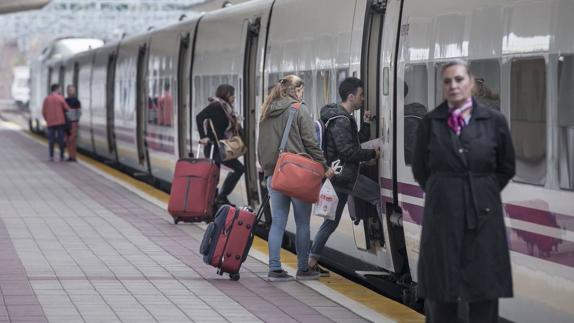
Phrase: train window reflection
(566, 121)
(528, 119)
(416, 97)
(323, 93)
(487, 82)
(342, 74)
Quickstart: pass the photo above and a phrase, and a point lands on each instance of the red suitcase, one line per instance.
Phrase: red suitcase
(227, 240)
(193, 190)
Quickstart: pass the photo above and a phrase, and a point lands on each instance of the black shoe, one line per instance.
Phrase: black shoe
(71, 160)
(321, 271)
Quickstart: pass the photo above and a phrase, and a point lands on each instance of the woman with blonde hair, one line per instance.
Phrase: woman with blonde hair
(286, 95)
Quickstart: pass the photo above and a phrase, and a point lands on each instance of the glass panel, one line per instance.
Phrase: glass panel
(566, 121)
(416, 96)
(487, 82)
(323, 94)
(528, 119)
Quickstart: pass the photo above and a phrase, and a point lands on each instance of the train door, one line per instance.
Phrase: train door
(75, 76)
(249, 106)
(379, 232)
(142, 103)
(369, 233)
(110, 83)
(49, 80)
(183, 113)
(62, 79)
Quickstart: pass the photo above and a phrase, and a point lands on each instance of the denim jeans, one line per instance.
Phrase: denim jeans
(56, 133)
(365, 189)
(280, 205)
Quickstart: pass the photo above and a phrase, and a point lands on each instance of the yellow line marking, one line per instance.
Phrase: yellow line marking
(386, 307)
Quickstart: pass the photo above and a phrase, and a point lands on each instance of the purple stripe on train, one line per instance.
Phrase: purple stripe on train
(404, 188)
(528, 243)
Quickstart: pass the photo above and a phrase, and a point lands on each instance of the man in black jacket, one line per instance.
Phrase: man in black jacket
(343, 143)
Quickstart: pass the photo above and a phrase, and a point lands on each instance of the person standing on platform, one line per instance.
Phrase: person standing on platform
(275, 112)
(73, 119)
(463, 158)
(342, 142)
(54, 108)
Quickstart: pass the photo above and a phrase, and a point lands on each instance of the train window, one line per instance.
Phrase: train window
(323, 95)
(309, 94)
(528, 119)
(342, 74)
(487, 82)
(566, 121)
(416, 97)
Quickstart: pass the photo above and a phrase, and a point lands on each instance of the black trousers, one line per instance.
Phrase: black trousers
(232, 178)
(474, 312)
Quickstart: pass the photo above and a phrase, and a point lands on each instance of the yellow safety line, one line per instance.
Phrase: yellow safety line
(381, 304)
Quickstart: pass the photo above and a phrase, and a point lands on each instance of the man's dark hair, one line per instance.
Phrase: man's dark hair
(54, 87)
(349, 86)
(225, 91)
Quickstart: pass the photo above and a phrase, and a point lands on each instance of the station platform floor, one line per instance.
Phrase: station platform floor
(80, 242)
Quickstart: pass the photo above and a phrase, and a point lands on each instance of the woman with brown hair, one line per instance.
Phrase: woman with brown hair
(219, 113)
(286, 95)
(463, 158)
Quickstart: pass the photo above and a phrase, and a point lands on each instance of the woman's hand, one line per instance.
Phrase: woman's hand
(204, 141)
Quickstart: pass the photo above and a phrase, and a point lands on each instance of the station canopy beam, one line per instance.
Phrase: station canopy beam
(8, 6)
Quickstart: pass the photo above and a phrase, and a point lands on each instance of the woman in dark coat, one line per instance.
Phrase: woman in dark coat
(220, 113)
(463, 159)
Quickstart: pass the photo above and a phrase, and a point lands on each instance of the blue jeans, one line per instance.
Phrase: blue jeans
(280, 205)
(56, 133)
(365, 189)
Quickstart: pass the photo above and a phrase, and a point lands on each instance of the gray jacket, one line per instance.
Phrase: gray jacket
(302, 137)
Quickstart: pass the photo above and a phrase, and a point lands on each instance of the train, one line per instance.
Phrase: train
(140, 96)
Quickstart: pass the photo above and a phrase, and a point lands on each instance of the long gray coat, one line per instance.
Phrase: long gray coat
(464, 250)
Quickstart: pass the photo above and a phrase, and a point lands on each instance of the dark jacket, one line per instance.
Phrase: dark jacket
(463, 248)
(343, 141)
(215, 112)
(302, 138)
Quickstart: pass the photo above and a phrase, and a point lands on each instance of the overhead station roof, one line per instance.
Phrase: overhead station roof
(8, 6)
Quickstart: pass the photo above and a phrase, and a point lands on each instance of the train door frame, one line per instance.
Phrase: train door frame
(142, 106)
(183, 91)
(110, 94)
(370, 230)
(49, 81)
(62, 78)
(76, 76)
(249, 108)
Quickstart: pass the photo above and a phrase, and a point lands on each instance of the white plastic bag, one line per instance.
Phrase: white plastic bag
(326, 207)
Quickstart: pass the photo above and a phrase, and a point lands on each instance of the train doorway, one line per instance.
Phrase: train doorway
(369, 233)
(183, 112)
(249, 106)
(143, 103)
(110, 116)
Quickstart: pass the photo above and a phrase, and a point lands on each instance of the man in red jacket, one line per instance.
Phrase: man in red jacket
(53, 110)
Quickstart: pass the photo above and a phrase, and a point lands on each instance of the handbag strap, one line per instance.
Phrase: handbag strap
(292, 111)
(213, 130)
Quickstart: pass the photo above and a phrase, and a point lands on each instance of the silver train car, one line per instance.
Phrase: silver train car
(141, 95)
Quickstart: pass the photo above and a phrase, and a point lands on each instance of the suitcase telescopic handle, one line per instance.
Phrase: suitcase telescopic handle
(210, 151)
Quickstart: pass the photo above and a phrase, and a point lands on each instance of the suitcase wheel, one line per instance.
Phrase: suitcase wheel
(175, 220)
(234, 276)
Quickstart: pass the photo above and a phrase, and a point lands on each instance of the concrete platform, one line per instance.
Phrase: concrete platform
(78, 245)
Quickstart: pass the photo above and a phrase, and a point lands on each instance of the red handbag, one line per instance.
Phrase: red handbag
(297, 175)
